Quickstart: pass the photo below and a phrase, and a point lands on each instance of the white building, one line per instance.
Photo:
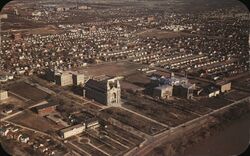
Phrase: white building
(3, 95)
(63, 79)
(71, 131)
(78, 79)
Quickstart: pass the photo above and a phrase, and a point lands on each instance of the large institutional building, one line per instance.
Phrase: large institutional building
(3, 95)
(106, 90)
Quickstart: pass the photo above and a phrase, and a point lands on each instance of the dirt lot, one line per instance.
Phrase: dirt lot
(235, 95)
(192, 106)
(124, 135)
(29, 119)
(27, 91)
(133, 120)
(164, 113)
(161, 34)
(89, 149)
(14, 103)
(214, 102)
(111, 69)
(138, 79)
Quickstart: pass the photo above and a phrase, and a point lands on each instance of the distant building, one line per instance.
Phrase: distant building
(92, 124)
(180, 87)
(163, 92)
(49, 75)
(210, 91)
(3, 16)
(45, 109)
(3, 95)
(37, 13)
(106, 91)
(17, 36)
(151, 19)
(71, 131)
(83, 7)
(63, 79)
(79, 79)
(184, 90)
(224, 86)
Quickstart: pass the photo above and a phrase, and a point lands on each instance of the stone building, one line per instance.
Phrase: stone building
(79, 78)
(72, 131)
(106, 91)
(3, 95)
(63, 79)
(224, 86)
(184, 90)
(163, 92)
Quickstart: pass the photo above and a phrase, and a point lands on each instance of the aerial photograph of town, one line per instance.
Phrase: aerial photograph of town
(124, 78)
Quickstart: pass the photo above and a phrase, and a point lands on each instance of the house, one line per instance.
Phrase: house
(4, 131)
(23, 138)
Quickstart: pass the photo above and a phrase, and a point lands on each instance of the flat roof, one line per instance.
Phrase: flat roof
(71, 128)
(46, 106)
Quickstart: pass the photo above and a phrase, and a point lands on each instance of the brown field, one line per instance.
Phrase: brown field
(31, 120)
(89, 149)
(124, 135)
(27, 91)
(133, 120)
(164, 113)
(13, 102)
(111, 69)
(214, 102)
(236, 95)
(161, 34)
(138, 79)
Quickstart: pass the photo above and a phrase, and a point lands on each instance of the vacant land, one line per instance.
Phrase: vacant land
(164, 113)
(236, 95)
(27, 91)
(214, 103)
(31, 120)
(161, 34)
(89, 149)
(111, 69)
(133, 120)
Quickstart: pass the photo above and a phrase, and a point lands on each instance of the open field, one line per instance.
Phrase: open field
(138, 79)
(133, 120)
(214, 102)
(192, 106)
(88, 148)
(110, 140)
(14, 103)
(102, 145)
(31, 120)
(161, 34)
(119, 133)
(111, 69)
(27, 91)
(236, 95)
(164, 113)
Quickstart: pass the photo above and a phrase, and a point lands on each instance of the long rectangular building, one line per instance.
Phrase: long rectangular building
(71, 131)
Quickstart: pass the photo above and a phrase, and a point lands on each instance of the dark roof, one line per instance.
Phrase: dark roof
(96, 85)
(46, 106)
